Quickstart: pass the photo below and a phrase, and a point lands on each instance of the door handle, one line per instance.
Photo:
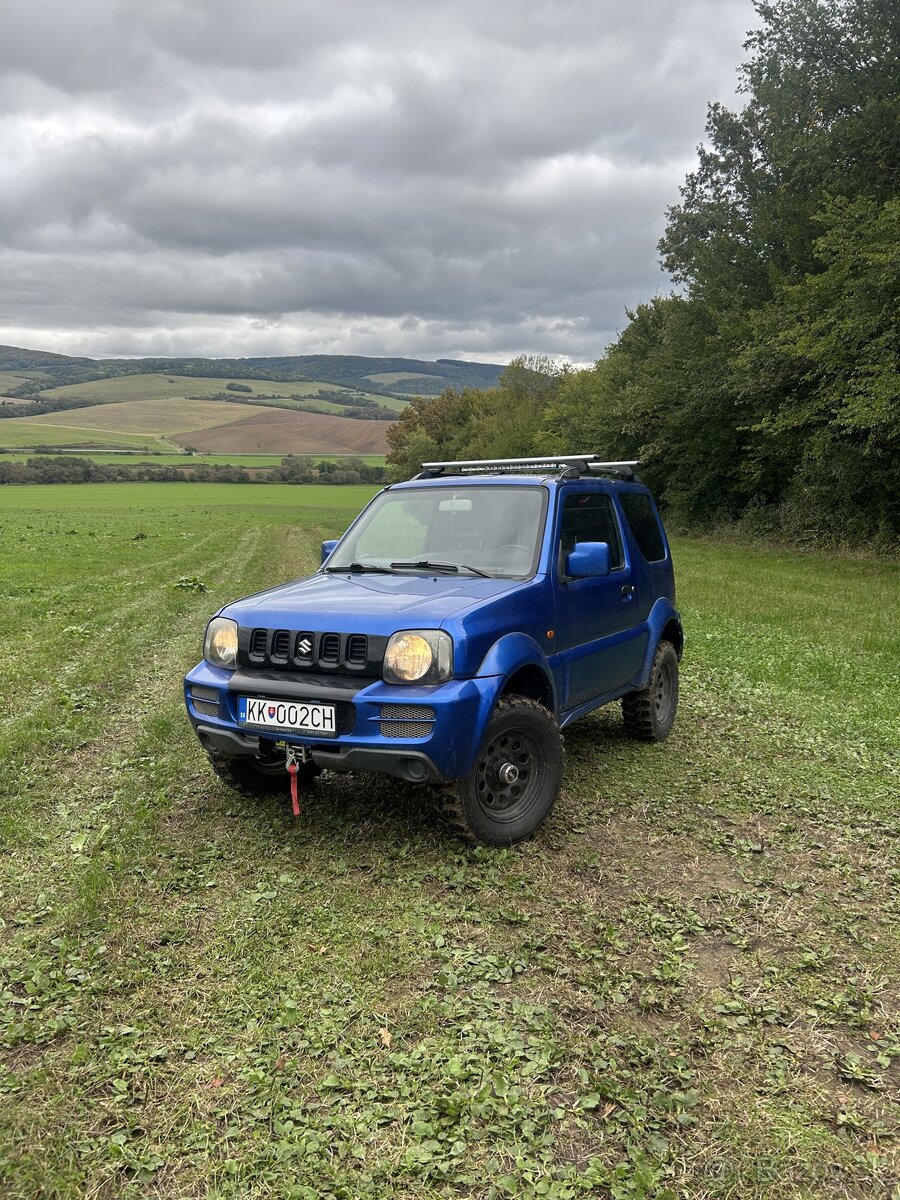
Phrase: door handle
(627, 591)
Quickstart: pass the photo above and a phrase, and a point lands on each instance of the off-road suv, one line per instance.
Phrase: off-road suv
(464, 619)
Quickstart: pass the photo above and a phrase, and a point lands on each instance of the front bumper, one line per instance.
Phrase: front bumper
(447, 751)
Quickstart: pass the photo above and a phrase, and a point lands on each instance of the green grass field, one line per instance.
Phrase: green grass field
(156, 387)
(25, 431)
(685, 987)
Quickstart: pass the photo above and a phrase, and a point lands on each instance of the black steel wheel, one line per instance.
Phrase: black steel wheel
(650, 713)
(513, 786)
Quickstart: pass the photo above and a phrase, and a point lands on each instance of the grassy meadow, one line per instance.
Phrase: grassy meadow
(123, 388)
(16, 432)
(685, 987)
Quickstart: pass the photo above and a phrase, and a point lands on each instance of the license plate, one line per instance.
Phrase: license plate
(300, 716)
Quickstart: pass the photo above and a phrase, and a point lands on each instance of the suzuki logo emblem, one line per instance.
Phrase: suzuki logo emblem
(304, 647)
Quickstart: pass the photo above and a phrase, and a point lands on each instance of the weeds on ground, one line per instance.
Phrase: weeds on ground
(685, 987)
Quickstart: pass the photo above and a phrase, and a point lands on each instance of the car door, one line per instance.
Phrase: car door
(601, 638)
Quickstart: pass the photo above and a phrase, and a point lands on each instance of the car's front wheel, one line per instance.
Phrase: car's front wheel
(259, 776)
(514, 784)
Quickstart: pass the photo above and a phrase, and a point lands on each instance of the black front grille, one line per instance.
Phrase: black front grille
(330, 649)
(308, 650)
(281, 645)
(357, 650)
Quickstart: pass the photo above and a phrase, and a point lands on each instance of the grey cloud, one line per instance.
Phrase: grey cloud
(442, 179)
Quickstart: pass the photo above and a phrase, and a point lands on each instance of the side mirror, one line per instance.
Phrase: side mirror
(327, 547)
(588, 560)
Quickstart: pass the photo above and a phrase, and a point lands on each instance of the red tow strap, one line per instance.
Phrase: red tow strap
(293, 768)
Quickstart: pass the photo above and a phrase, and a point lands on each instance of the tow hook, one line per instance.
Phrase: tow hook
(294, 757)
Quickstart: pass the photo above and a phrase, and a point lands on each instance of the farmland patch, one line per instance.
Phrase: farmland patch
(166, 416)
(273, 431)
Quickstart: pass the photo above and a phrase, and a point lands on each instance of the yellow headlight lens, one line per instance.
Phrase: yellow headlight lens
(418, 656)
(410, 657)
(221, 642)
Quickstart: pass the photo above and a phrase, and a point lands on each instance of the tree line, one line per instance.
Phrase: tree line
(765, 391)
(72, 468)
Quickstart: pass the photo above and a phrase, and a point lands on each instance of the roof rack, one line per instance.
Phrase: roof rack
(569, 466)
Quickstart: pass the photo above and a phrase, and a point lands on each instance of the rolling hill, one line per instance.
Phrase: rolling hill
(313, 396)
(402, 378)
(176, 423)
(337, 404)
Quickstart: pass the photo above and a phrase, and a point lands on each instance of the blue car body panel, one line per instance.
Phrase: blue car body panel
(576, 643)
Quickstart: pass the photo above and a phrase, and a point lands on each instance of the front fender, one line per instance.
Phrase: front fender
(512, 651)
(662, 614)
(507, 656)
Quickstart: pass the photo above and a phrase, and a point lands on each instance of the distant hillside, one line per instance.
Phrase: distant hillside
(175, 423)
(401, 378)
(14, 358)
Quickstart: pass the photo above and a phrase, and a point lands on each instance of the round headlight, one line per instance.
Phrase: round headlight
(411, 657)
(221, 645)
(418, 656)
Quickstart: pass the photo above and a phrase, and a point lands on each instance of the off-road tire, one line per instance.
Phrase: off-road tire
(255, 778)
(482, 807)
(650, 713)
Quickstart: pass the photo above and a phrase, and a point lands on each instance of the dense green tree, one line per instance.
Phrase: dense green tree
(821, 120)
(429, 430)
(769, 389)
(663, 394)
(503, 422)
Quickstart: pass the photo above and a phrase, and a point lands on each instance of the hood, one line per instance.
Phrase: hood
(376, 604)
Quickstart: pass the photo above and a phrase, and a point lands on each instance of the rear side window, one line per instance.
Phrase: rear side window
(639, 513)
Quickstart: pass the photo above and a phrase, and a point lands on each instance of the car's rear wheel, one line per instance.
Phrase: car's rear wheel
(514, 784)
(650, 713)
(260, 776)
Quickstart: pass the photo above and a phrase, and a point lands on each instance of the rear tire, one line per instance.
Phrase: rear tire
(650, 713)
(513, 786)
(259, 777)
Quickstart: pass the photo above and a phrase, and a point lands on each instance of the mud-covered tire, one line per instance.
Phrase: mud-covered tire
(514, 784)
(650, 713)
(256, 777)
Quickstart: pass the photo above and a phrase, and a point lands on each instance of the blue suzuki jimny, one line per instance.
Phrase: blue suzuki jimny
(464, 619)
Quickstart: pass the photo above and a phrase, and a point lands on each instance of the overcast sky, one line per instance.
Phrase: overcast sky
(473, 179)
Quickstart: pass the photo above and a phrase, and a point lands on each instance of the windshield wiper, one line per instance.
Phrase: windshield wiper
(426, 564)
(358, 568)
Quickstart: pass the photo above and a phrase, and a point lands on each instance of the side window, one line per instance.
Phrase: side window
(590, 517)
(642, 522)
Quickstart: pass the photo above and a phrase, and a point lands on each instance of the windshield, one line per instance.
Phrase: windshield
(485, 530)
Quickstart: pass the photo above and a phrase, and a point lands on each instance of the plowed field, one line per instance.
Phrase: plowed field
(282, 432)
